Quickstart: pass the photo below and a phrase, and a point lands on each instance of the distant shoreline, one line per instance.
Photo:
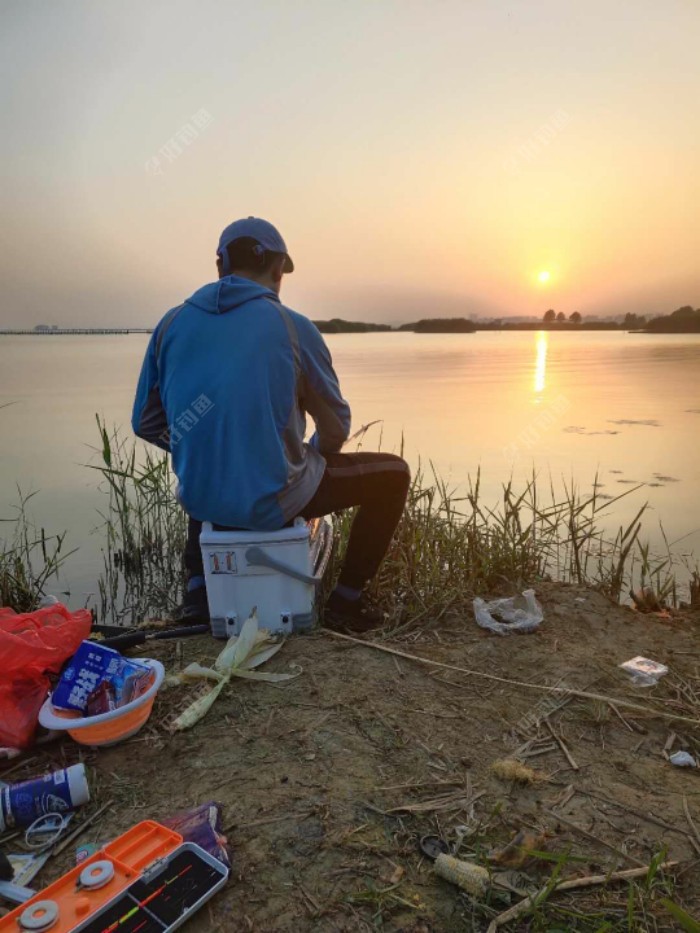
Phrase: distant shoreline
(586, 328)
(685, 320)
(73, 331)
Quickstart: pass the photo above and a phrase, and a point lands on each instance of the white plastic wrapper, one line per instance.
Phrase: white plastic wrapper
(644, 671)
(683, 760)
(517, 614)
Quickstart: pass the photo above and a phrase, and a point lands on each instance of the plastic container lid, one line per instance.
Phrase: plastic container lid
(298, 532)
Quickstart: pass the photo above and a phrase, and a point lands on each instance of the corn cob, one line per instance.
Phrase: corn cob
(471, 878)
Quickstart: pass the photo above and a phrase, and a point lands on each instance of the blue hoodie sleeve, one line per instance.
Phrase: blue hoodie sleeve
(321, 395)
(148, 419)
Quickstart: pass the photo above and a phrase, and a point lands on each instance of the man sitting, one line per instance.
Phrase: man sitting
(225, 385)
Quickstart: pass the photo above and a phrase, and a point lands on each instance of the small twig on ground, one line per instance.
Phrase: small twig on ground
(23, 762)
(686, 810)
(373, 809)
(565, 797)
(269, 819)
(430, 712)
(312, 901)
(453, 801)
(529, 903)
(457, 782)
(521, 750)
(554, 708)
(315, 725)
(437, 766)
(632, 727)
(451, 683)
(669, 743)
(541, 750)
(562, 745)
(79, 830)
(268, 722)
(532, 748)
(639, 813)
(592, 837)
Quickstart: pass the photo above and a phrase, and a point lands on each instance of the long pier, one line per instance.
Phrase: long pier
(77, 330)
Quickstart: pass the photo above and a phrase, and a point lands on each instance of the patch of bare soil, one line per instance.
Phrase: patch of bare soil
(329, 781)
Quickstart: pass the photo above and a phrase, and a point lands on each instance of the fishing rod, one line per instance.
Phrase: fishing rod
(132, 639)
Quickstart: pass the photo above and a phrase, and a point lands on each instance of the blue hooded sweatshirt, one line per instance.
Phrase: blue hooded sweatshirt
(225, 385)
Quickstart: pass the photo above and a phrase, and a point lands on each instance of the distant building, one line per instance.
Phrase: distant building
(42, 328)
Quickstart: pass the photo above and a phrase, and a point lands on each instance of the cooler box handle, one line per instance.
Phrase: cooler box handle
(256, 557)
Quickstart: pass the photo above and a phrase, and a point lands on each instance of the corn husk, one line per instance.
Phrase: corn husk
(239, 656)
(198, 672)
(197, 710)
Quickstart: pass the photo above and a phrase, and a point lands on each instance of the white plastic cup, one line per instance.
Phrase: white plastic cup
(21, 804)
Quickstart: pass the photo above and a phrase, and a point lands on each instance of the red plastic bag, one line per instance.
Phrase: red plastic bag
(32, 643)
(20, 702)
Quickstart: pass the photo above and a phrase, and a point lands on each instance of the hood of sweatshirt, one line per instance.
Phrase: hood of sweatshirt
(228, 293)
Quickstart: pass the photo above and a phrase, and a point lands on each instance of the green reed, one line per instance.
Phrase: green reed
(451, 544)
(145, 531)
(29, 558)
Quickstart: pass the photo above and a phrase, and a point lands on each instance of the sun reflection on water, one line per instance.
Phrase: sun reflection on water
(541, 361)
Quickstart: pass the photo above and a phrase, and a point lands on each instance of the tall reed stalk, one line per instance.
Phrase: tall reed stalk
(29, 558)
(145, 532)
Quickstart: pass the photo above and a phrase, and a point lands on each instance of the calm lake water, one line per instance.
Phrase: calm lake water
(625, 406)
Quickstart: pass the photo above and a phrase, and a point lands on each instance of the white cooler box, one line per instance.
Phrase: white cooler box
(275, 572)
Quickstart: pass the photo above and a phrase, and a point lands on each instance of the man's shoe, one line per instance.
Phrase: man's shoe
(195, 608)
(354, 616)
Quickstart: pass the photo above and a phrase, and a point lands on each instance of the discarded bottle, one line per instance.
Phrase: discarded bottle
(21, 804)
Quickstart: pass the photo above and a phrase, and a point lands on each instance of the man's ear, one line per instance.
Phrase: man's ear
(277, 269)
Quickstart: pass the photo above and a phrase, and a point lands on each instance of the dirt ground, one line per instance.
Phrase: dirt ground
(328, 782)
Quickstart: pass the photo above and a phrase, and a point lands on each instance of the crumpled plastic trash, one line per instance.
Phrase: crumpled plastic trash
(683, 760)
(644, 671)
(519, 613)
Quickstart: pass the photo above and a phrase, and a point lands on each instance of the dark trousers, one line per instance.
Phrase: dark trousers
(377, 483)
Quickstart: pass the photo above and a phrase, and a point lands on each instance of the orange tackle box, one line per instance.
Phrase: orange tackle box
(65, 905)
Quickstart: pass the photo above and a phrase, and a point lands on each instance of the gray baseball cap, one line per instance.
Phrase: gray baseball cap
(257, 229)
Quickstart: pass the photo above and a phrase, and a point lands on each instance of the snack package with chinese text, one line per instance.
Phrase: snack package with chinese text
(92, 666)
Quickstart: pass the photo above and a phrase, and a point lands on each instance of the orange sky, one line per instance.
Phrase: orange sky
(420, 158)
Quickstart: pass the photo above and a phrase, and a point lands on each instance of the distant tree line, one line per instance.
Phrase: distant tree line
(441, 325)
(551, 317)
(338, 326)
(685, 320)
